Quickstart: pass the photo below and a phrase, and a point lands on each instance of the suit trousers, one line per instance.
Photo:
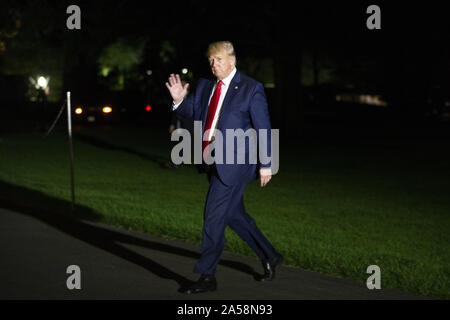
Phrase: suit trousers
(225, 207)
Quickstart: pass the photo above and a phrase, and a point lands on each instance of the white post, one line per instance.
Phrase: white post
(69, 128)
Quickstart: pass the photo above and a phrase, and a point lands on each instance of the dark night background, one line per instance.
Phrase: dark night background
(315, 59)
(364, 119)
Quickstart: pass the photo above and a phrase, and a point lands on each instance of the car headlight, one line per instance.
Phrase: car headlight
(106, 109)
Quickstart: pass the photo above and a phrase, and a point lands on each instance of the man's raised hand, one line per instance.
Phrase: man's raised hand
(176, 88)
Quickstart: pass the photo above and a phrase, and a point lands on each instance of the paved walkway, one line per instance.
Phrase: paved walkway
(35, 252)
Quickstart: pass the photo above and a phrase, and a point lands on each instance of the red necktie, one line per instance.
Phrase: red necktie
(212, 108)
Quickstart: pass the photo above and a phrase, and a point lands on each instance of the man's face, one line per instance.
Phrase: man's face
(221, 64)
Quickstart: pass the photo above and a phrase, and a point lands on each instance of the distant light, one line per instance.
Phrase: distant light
(107, 109)
(184, 71)
(42, 82)
(78, 110)
(369, 99)
(91, 119)
(148, 107)
(149, 72)
(105, 71)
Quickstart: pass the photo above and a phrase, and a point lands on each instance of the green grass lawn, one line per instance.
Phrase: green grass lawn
(332, 208)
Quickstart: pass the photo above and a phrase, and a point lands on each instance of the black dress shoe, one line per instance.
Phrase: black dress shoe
(204, 284)
(269, 267)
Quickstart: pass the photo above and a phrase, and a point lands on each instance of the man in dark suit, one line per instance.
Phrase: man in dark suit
(233, 101)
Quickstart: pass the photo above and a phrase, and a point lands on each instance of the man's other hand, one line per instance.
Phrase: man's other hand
(264, 176)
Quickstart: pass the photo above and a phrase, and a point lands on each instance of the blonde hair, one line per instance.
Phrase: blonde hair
(227, 46)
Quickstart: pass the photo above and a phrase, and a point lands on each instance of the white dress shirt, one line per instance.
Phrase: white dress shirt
(223, 92)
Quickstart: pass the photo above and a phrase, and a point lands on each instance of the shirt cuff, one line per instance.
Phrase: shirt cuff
(175, 106)
(265, 171)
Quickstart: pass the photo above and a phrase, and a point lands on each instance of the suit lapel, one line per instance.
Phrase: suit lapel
(232, 91)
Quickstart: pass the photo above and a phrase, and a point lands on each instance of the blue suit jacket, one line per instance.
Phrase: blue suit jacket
(244, 107)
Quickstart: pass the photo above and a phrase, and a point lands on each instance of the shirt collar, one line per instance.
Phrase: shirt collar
(228, 79)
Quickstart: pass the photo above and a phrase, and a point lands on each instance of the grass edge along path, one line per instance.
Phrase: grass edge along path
(341, 235)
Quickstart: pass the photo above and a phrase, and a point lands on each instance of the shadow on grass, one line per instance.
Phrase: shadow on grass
(57, 213)
(161, 161)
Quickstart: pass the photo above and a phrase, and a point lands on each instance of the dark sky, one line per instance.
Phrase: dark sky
(325, 25)
(417, 36)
